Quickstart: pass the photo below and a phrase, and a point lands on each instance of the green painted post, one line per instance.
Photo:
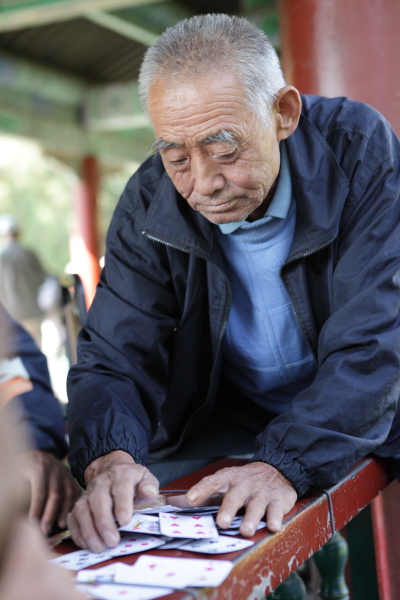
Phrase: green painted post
(331, 562)
(292, 588)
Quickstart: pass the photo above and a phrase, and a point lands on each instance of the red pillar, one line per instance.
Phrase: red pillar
(344, 48)
(85, 242)
(386, 520)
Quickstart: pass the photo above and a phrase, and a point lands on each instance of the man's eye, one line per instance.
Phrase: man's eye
(226, 156)
(179, 162)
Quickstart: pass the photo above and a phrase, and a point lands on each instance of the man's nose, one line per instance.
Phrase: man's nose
(207, 176)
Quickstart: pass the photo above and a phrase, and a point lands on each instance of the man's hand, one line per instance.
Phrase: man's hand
(53, 489)
(257, 486)
(113, 483)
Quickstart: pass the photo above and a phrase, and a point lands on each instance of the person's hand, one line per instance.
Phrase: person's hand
(53, 489)
(114, 482)
(26, 571)
(257, 486)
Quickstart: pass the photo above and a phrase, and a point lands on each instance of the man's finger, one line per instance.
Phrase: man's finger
(50, 512)
(148, 487)
(123, 492)
(75, 531)
(255, 511)
(90, 536)
(70, 496)
(101, 510)
(275, 514)
(232, 502)
(39, 485)
(213, 484)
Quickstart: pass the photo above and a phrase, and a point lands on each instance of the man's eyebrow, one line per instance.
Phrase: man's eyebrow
(161, 144)
(224, 135)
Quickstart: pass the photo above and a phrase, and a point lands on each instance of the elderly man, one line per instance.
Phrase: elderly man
(251, 288)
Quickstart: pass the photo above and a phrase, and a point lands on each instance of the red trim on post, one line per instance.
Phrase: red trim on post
(84, 245)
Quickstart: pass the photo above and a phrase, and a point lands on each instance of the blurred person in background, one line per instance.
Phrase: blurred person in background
(27, 397)
(21, 276)
(25, 571)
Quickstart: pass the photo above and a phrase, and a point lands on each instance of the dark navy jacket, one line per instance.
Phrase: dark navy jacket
(37, 411)
(150, 353)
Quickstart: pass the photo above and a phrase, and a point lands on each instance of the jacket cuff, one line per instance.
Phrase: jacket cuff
(290, 468)
(79, 460)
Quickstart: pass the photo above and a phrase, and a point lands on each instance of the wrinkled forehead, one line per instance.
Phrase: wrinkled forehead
(198, 108)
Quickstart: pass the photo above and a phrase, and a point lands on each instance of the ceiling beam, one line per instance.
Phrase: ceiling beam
(122, 27)
(53, 11)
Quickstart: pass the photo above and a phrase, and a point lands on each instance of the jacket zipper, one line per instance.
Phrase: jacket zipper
(222, 329)
(288, 262)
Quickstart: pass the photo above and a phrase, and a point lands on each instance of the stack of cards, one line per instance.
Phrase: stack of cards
(191, 530)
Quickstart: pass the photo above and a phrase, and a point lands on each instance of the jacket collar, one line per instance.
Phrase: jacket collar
(319, 186)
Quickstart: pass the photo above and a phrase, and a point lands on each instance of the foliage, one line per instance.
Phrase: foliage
(37, 190)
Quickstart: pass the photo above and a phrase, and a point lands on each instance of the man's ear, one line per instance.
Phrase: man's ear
(287, 109)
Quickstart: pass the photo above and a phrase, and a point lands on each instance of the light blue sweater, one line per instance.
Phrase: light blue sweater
(265, 354)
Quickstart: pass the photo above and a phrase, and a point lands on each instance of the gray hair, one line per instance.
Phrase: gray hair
(194, 46)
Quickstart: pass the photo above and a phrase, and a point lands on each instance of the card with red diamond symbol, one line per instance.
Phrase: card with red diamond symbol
(195, 527)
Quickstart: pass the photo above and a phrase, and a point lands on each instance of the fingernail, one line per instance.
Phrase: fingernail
(150, 490)
(111, 539)
(248, 529)
(192, 496)
(274, 525)
(123, 518)
(224, 518)
(97, 546)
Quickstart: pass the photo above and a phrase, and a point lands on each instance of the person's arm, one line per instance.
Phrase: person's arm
(119, 385)
(117, 389)
(38, 420)
(38, 409)
(350, 408)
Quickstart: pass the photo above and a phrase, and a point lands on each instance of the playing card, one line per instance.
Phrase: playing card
(143, 523)
(102, 575)
(81, 559)
(194, 527)
(171, 543)
(121, 592)
(234, 528)
(220, 545)
(130, 544)
(101, 588)
(159, 509)
(175, 572)
(199, 510)
(156, 572)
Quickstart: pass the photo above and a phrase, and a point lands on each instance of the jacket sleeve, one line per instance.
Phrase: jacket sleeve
(119, 384)
(349, 410)
(36, 412)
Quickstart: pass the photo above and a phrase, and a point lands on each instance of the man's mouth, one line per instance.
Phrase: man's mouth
(217, 207)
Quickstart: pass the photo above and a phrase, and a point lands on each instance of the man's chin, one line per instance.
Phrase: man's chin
(223, 218)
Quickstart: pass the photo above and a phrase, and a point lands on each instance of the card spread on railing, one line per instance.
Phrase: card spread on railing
(162, 572)
(190, 526)
(130, 544)
(103, 585)
(174, 572)
(220, 545)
